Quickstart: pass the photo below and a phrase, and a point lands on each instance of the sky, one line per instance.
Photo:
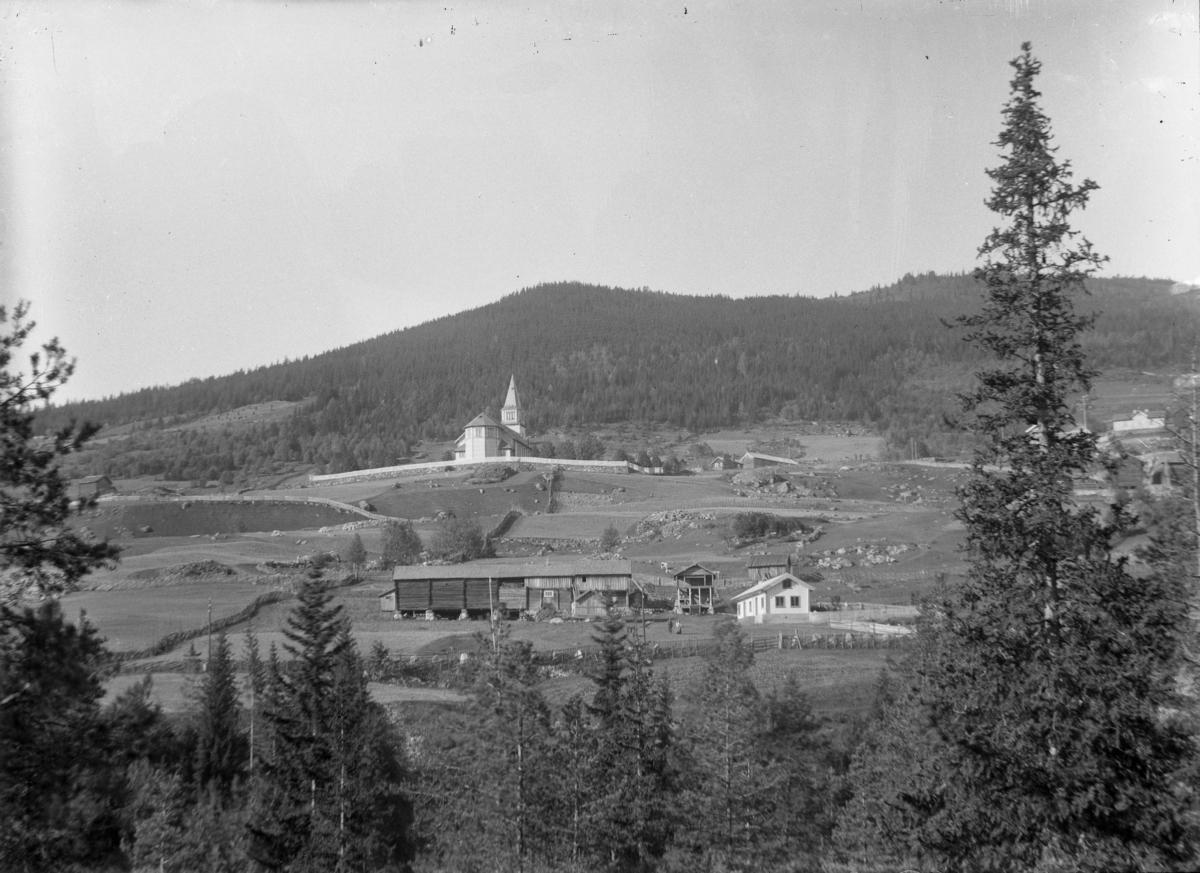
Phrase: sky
(192, 188)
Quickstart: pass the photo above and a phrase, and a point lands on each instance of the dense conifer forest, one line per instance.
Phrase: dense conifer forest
(884, 359)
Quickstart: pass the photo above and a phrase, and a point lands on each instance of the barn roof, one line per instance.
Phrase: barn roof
(775, 458)
(767, 584)
(495, 570)
(769, 561)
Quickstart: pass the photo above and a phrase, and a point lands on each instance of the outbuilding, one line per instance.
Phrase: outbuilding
(780, 598)
(475, 587)
(694, 590)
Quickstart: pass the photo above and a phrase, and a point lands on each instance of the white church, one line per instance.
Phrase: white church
(484, 437)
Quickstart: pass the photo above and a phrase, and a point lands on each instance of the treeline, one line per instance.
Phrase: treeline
(292, 767)
(586, 354)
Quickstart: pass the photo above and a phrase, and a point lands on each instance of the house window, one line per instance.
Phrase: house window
(787, 583)
(795, 602)
(779, 603)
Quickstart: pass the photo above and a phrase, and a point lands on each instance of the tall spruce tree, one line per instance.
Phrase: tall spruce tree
(327, 795)
(1049, 668)
(219, 744)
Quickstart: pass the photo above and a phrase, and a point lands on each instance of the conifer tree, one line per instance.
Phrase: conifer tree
(727, 783)
(1048, 669)
(328, 793)
(219, 743)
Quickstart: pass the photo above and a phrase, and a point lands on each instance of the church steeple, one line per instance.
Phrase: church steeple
(512, 416)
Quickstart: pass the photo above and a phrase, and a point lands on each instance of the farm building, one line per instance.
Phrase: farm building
(93, 486)
(756, 459)
(763, 567)
(1140, 421)
(694, 590)
(582, 588)
(484, 437)
(779, 599)
(1166, 468)
(725, 463)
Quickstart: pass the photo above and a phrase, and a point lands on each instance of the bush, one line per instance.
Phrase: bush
(755, 525)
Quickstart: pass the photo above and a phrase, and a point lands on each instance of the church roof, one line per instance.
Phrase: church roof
(485, 420)
(512, 400)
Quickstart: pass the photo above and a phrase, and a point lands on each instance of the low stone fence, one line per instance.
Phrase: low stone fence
(439, 466)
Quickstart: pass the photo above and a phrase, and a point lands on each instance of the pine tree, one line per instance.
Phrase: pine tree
(1048, 668)
(40, 553)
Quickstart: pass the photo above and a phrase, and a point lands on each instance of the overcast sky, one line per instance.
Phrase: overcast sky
(193, 188)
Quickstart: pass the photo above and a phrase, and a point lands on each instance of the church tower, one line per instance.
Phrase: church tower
(512, 415)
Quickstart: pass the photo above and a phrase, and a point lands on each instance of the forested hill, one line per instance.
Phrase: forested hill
(587, 354)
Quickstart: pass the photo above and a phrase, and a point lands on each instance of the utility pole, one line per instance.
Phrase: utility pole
(208, 656)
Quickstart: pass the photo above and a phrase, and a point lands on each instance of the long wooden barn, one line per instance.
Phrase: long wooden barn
(576, 588)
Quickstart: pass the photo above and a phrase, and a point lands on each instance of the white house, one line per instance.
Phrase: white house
(484, 437)
(779, 598)
(1140, 420)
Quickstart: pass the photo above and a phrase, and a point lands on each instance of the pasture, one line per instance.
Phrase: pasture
(861, 508)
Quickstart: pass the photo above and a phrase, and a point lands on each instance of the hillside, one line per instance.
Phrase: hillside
(585, 354)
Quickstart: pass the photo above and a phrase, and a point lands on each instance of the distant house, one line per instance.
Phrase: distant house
(783, 597)
(93, 486)
(724, 462)
(757, 459)
(473, 588)
(1139, 421)
(763, 567)
(694, 590)
(484, 437)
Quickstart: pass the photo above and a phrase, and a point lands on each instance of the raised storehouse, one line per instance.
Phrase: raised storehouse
(781, 598)
(694, 590)
(577, 588)
(484, 437)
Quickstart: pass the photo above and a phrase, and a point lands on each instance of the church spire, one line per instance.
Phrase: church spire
(512, 415)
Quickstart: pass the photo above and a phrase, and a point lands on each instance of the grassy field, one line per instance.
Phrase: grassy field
(864, 504)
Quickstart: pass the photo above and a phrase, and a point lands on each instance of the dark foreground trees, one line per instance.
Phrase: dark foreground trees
(1047, 674)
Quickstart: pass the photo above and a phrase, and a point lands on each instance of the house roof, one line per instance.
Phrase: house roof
(497, 570)
(769, 561)
(767, 584)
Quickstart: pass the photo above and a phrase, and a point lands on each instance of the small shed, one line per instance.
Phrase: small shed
(762, 567)
(1166, 468)
(694, 590)
(784, 597)
(93, 486)
(387, 600)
